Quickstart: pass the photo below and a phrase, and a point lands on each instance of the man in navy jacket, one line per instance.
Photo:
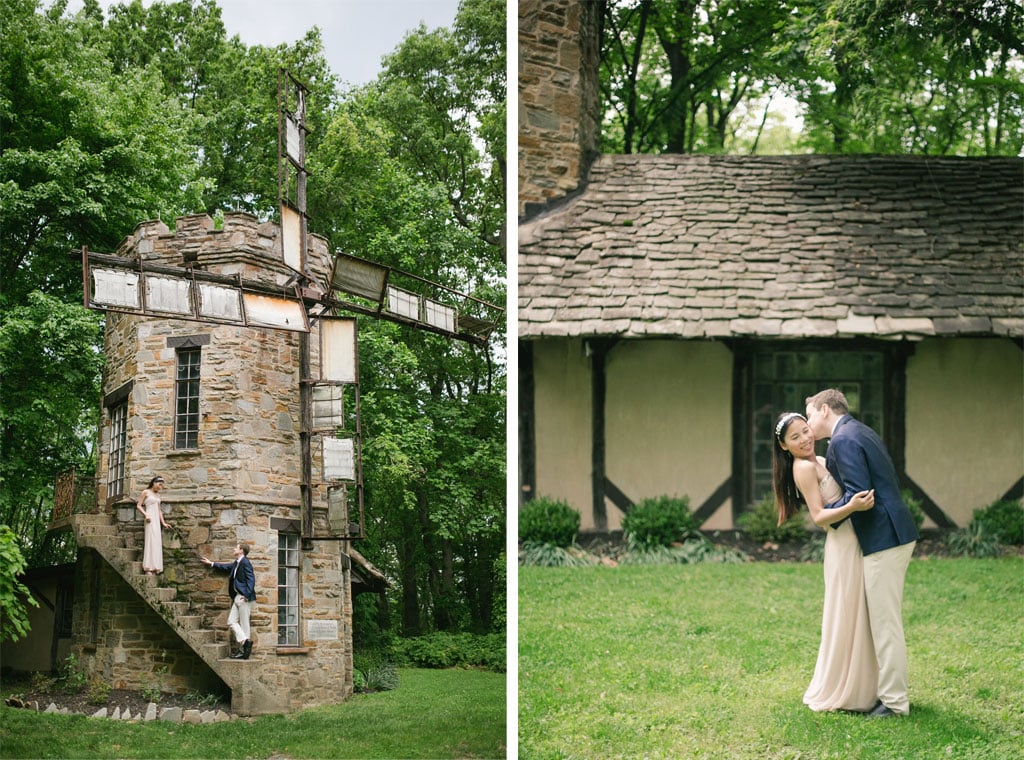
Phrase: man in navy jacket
(859, 461)
(242, 588)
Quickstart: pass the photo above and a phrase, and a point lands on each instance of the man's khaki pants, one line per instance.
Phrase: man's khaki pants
(884, 574)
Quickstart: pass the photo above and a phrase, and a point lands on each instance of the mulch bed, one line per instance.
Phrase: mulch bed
(931, 544)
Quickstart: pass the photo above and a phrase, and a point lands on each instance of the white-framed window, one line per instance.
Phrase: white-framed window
(117, 451)
(186, 391)
(288, 589)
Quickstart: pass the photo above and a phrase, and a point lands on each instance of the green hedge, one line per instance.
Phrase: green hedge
(548, 521)
(660, 521)
(452, 650)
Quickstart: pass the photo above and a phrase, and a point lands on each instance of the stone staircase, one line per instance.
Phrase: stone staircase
(249, 696)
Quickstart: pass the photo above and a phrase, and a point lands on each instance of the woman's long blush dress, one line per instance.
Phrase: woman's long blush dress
(846, 673)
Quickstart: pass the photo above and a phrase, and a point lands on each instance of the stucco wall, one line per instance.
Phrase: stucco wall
(965, 421)
(669, 422)
(563, 426)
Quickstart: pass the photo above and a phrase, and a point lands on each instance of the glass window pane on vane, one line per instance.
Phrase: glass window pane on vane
(115, 288)
(291, 237)
(168, 294)
(339, 459)
(217, 302)
(403, 303)
(270, 311)
(293, 142)
(328, 412)
(359, 278)
(338, 350)
(439, 315)
(337, 512)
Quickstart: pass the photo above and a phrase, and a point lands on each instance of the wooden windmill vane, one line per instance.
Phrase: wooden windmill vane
(359, 286)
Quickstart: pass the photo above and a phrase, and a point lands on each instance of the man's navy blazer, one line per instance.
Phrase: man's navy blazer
(858, 460)
(245, 578)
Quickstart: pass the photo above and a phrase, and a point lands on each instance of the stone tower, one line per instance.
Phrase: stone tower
(214, 410)
(559, 118)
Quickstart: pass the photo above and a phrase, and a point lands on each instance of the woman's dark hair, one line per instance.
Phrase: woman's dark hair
(787, 497)
(154, 481)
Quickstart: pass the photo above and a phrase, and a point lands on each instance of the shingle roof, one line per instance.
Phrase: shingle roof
(790, 246)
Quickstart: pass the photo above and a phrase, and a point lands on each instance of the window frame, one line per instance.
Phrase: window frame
(890, 407)
(187, 390)
(288, 591)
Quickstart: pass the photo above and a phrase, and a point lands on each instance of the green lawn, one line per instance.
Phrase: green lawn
(711, 661)
(433, 714)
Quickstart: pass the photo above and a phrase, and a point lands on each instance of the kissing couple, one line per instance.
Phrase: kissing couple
(870, 536)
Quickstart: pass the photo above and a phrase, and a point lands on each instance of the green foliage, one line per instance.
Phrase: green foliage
(548, 521)
(154, 691)
(914, 505)
(814, 549)
(976, 540)
(358, 681)
(70, 676)
(661, 521)
(691, 552)
(1003, 520)
(452, 650)
(548, 555)
(761, 523)
(914, 77)
(14, 596)
(99, 691)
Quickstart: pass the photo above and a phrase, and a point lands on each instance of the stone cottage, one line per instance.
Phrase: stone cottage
(670, 306)
(214, 410)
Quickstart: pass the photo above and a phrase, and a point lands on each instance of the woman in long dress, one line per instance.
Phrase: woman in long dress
(846, 672)
(149, 506)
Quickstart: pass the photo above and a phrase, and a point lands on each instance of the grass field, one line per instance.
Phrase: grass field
(711, 661)
(433, 714)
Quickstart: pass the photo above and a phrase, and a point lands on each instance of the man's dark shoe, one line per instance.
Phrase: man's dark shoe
(880, 711)
(246, 649)
(239, 655)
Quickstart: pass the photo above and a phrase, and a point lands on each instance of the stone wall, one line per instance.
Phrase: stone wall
(125, 643)
(559, 52)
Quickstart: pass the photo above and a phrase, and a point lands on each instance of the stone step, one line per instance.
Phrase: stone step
(165, 594)
(201, 636)
(93, 518)
(177, 609)
(216, 651)
(127, 555)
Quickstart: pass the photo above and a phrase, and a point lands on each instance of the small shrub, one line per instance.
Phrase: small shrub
(203, 700)
(99, 692)
(814, 550)
(974, 541)
(41, 681)
(914, 505)
(358, 680)
(662, 521)
(70, 677)
(1004, 520)
(154, 691)
(548, 521)
(761, 523)
(688, 553)
(383, 677)
(548, 555)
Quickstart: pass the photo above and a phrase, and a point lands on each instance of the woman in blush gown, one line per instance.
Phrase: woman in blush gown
(846, 672)
(149, 506)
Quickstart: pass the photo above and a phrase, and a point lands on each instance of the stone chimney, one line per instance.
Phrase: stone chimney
(559, 57)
